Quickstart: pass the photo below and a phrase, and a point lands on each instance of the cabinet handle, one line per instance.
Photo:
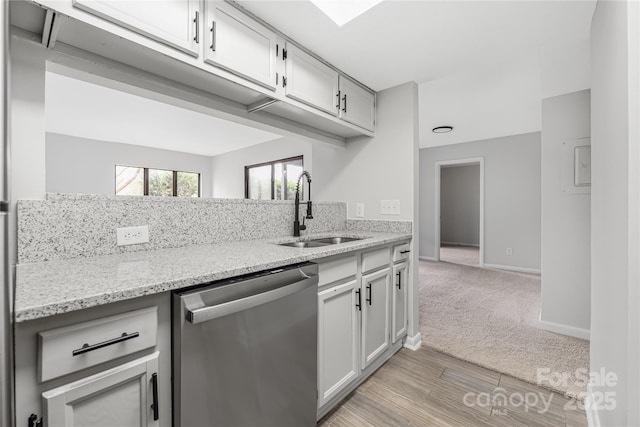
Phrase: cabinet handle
(344, 98)
(87, 348)
(359, 302)
(338, 96)
(369, 299)
(405, 252)
(154, 388)
(276, 79)
(197, 22)
(399, 284)
(213, 36)
(33, 421)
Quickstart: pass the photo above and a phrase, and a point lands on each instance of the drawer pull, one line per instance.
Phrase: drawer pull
(405, 252)
(87, 348)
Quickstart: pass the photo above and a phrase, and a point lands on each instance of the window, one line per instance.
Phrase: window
(135, 181)
(272, 180)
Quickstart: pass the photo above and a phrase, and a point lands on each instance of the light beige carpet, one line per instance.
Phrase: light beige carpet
(489, 317)
(467, 255)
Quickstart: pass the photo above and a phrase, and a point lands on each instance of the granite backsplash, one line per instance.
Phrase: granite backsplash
(66, 226)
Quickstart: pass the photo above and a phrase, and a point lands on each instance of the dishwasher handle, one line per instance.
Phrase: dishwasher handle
(204, 314)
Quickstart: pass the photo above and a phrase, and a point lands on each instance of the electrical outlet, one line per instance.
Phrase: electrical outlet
(509, 251)
(390, 207)
(132, 235)
(360, 210)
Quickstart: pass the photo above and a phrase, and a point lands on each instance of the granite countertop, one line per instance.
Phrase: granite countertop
(55, 287)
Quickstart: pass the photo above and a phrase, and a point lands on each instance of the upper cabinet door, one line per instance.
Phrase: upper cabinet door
(311, 81)
(173, 22)
(357, 104)
(239, 44)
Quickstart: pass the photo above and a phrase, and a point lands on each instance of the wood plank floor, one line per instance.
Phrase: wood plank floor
(428, 388)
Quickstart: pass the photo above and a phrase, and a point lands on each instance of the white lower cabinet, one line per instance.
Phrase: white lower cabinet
(124, 396)
(355, 304)
(375, 315)
(399, 303)
(337, 339)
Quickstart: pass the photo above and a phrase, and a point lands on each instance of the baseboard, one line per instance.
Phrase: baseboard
(593, 420)
(512, 268)
(559, 328)
(474, 245)
(414, 342)
(427, 258)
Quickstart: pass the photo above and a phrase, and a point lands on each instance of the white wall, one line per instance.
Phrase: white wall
(27, 119)
(512, 197)
(564, 69)
(228, 169)
(373, 169)
(27, 129)
(566, 236)
(460, 205)
(80, 165)
(615, 213)
(482, 103)
(380, 168)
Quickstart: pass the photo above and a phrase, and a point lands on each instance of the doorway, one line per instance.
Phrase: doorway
(459, 225)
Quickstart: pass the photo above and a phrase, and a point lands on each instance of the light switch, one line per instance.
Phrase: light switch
(360, 210)
(582, 166)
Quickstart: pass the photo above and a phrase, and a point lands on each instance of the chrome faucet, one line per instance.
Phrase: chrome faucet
(296, 221)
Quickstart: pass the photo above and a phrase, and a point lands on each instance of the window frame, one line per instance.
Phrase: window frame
(145, 183)
(272, 164)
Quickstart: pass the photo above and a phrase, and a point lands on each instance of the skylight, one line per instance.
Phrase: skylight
(343, 11)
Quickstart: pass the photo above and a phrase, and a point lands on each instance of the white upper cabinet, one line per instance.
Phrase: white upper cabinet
(239, 44)
(310, 81)
(357, 104)
(172, 22)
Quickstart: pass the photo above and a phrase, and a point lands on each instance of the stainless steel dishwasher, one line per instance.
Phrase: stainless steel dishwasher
(245, 350)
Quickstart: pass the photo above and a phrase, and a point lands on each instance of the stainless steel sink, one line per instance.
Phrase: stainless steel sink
(316, 243)
(306, 244)
(336, 240)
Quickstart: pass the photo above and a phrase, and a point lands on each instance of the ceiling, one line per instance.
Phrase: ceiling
(399, 41)
(482, 67)
(86, 110)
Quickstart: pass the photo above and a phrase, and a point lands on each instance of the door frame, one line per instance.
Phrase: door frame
(438, 168)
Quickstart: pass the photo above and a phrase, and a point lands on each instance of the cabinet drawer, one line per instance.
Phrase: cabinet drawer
(72, 348)
(375, 259)
(336, 269)
(401, 252)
